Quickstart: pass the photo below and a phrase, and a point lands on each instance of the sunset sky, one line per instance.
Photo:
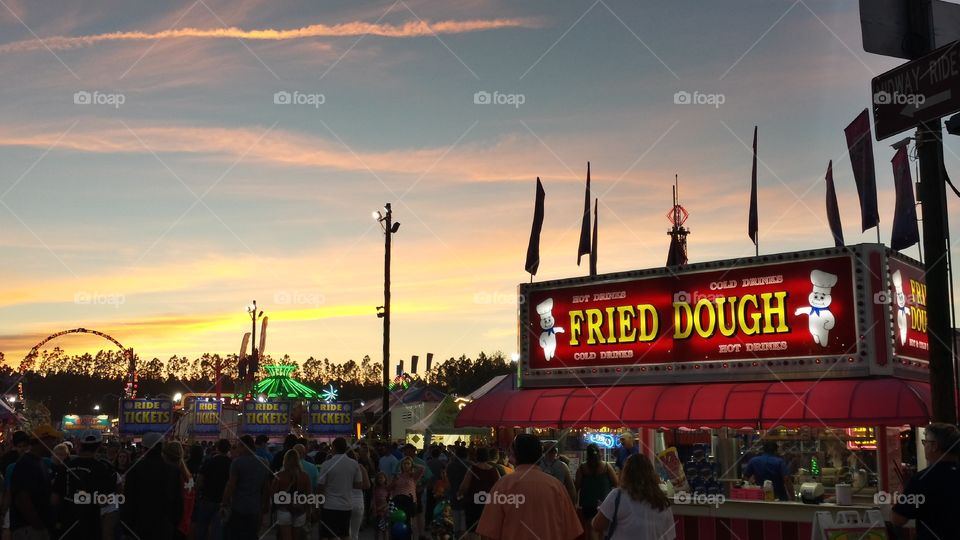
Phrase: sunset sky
(157, 214)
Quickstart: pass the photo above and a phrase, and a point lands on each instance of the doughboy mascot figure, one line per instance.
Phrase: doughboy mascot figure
(548, 338)
(901, 305)
(821, 319)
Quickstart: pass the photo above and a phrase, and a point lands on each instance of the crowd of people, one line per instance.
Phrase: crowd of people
(165, 489)
(243, 489)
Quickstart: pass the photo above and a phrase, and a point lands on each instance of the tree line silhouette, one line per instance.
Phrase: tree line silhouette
(74, 383)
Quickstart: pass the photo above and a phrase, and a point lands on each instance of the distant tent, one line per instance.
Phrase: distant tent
(280, 385)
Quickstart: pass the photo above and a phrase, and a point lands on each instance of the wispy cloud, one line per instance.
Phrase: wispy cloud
(355, 28)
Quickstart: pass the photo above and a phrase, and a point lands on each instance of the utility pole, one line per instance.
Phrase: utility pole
(935, 233)
(254, 363)
(389, 229)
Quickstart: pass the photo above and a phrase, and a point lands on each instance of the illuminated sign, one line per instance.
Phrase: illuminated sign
(796, 309)
(603, 440)
(907, 301)
(329, 393)
(861, 438)
(145, 415)
(267, 418)
(330, 418)
(206, 417)
(73, 422)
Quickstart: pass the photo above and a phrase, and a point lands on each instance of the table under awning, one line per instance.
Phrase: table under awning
(761, 404)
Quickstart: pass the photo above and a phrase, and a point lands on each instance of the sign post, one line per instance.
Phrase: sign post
(929, 88)
(919, 91)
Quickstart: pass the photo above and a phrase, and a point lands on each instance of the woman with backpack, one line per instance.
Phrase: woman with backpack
(595, 479)
(479, 478)
(638, 509)
(291, 484)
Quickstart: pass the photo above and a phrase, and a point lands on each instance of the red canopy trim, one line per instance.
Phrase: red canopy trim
(767, 404)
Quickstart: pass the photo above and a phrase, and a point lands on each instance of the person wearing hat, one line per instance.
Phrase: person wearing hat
(87, 490)
(31, 514)
(153, 503)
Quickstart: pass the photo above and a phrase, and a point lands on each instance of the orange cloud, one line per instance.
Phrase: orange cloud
(417, 28)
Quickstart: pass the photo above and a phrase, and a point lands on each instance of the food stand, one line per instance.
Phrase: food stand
(822, 350)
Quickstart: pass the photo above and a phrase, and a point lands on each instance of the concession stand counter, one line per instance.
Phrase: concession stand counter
(824, 351)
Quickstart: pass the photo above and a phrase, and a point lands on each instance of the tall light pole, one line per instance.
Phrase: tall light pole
(389, 229)
(254, 361)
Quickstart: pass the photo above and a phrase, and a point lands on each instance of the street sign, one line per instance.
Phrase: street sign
(885, 26)
(921, 90)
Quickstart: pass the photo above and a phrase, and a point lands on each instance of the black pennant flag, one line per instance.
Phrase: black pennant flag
(593, 248)
(833, 211)
(860, 148)
(533, 248)
(752, 221)
(905, 231)
(584, 247)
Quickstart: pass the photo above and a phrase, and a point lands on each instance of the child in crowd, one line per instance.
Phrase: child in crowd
(381, 504)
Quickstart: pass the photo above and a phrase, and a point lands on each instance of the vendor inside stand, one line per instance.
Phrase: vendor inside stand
(771, 467)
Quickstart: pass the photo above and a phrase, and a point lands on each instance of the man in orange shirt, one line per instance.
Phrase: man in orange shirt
(528, 504)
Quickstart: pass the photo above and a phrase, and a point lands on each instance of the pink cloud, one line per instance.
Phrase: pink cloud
(417, 28)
